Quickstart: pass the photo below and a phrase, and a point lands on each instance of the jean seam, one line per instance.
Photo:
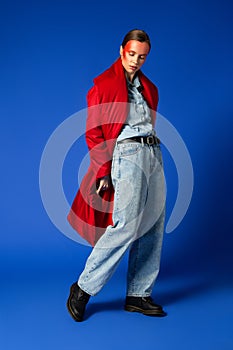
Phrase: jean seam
(135, 263)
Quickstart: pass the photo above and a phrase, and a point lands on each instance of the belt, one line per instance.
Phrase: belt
(148, 140)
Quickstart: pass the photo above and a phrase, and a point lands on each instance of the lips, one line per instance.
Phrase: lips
(133, 67)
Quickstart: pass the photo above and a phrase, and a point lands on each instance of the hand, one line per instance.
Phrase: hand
(103, 184)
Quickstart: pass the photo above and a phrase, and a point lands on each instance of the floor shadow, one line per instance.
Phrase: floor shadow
(176, 293)
(95, 307)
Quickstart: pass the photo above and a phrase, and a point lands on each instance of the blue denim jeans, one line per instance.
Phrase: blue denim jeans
(138, 222)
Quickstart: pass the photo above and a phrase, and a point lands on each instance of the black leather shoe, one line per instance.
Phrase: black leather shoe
(77, 302)
(144, 305)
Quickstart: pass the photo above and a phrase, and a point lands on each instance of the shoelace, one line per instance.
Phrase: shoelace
(83, 296)
(147, 299)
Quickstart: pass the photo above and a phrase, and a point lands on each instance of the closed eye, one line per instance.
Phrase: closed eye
(141, 57)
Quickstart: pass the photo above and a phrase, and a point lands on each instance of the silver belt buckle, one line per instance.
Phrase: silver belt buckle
(150, 140)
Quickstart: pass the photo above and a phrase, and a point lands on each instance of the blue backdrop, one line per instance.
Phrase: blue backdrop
(50, 52)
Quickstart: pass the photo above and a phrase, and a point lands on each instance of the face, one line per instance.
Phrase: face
(133, 56)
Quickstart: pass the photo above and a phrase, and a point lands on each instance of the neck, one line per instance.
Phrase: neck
(130, 77)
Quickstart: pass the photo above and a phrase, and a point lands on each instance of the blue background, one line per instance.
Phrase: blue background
(50, 52)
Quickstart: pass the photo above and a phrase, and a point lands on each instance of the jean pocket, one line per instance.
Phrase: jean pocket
(129, 149)
(158, 154)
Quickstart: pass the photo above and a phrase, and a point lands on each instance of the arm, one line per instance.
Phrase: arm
(99, 155)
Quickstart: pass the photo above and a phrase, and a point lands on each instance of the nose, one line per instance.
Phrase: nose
(136, 60)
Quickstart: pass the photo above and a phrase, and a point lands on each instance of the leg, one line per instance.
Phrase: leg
(144, 261)
(145, 252)
(131, 191)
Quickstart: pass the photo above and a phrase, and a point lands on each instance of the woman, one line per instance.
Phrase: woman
(121, 204)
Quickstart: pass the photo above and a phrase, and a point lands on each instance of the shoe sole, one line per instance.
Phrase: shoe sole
(144, 312)
(70, 309)
(71, 312)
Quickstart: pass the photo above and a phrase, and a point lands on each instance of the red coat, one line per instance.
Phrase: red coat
(90, 213)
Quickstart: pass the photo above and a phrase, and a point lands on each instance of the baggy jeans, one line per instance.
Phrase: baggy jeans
(138, 222)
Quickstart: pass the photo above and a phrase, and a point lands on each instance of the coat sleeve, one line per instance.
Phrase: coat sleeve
(98, 150)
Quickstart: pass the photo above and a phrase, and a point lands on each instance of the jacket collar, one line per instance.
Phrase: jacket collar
(116, 71)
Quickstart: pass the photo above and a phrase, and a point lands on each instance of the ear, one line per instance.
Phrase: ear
(121, 50)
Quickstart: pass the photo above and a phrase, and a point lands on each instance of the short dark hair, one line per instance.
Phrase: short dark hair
(136, 34)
